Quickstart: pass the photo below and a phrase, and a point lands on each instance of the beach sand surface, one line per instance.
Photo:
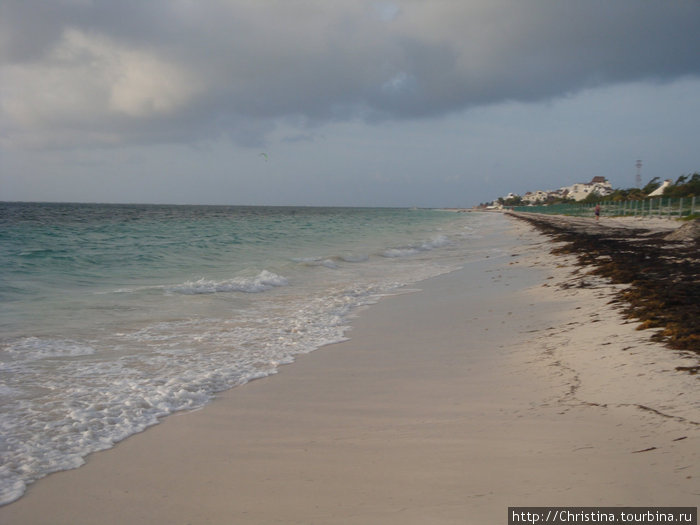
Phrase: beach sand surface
(489, 387)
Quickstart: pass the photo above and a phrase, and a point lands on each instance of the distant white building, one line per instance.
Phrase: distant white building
(660, 190)
(581, 190)
(531, 197)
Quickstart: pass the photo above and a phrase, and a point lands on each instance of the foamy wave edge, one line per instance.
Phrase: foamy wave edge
(439, 241)
(264, 281)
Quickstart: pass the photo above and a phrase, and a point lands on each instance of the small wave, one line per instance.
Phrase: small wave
(329, 263)
(318, 261)
(439, 241)
(332, 262)
(262, 282)
(354, 257)
(35, 348)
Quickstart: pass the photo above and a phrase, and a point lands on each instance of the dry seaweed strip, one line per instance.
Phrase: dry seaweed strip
(663, 275)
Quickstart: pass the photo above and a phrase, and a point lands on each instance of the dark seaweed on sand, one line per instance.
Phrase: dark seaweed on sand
(663, 276)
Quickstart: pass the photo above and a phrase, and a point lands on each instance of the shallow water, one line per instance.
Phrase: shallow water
(116, 315)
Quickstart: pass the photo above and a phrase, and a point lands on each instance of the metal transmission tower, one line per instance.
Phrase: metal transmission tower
(639, 173)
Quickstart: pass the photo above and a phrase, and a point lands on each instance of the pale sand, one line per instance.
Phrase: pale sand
(593, 226)
(446, 406)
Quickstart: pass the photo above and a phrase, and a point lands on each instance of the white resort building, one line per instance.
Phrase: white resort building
(579, 191)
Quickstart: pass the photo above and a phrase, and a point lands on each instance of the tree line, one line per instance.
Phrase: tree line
(685, 186)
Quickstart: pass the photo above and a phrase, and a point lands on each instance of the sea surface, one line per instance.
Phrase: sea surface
(114, 316)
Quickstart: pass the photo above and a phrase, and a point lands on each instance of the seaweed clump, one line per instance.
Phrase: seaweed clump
(661, 271)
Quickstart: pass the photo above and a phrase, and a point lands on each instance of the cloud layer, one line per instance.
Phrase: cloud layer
(107, 73)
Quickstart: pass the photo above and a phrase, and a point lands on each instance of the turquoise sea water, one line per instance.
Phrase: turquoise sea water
(114, 316)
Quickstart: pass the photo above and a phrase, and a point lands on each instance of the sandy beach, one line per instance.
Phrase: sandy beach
(493, 386)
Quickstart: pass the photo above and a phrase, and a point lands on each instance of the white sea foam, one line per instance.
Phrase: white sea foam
(89, 404)
(329, 263)
(439, 241)
(317, 261)
(35, 348)
(264, 281)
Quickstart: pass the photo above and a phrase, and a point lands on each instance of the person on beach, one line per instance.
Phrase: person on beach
(597, 212)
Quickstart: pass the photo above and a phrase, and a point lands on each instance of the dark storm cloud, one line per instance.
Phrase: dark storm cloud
(110, 72)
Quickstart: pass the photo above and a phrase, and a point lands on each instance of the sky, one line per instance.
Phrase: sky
(440, 103)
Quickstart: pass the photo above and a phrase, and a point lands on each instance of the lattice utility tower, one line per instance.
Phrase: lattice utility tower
(639, 173)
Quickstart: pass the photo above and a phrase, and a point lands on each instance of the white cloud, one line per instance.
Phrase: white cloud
(86, 80)
(146, 86)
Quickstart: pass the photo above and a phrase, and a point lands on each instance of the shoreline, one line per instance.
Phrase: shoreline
(530, 394)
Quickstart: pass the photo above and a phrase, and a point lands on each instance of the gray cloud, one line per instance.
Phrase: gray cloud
(109, 73)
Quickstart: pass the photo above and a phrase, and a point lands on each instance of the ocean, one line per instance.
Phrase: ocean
(114, 316)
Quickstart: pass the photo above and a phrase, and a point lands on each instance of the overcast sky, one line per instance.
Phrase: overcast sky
(353, 102)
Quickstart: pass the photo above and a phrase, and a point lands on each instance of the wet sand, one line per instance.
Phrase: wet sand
(498, 385)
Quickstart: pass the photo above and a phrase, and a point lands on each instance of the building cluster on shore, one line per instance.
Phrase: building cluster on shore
(578, 192)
